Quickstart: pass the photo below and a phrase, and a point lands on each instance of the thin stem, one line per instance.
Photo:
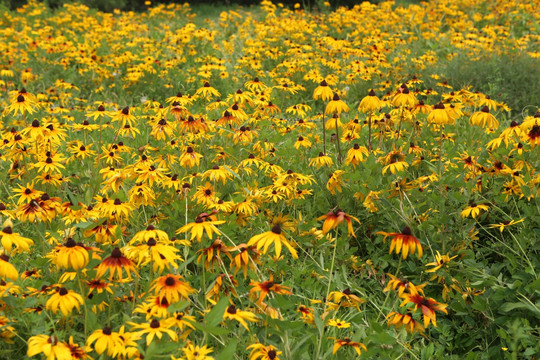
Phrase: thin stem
(388, 293)
(338, 143)
(369, 131)
(327, 292)
(323, 129)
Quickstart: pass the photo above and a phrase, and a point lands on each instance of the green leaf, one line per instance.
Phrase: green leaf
(214, 317)
(178, 306)
(228, 352)
(214, 330)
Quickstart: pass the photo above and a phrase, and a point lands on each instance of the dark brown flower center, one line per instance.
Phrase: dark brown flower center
(276, 229)
(154, 324)
(406, 231)
(116, 253)
(70, 243)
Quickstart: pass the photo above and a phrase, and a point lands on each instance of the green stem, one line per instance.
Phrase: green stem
(323, 130)
(330, 275)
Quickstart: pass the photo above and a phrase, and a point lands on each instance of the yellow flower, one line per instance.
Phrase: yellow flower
(70, 255)
(335, 217)
(106, 341)
(370, 103)
(195, 352)
(356, 155)
(439, 115)
(233, 313)
(49, 346)
(7, 270)
(321, 160)
(404, 241)
(262, 352)
(276, 237)
(336, 106)
(338, 323)
(172, 288)
(484, 119)
(505, 224)
(404, 98)
(8, 239)
(64, 300)
(200, 226)
(207, 91)
(440, 261)
(398, 320)
(474, 210)
(348, 342)
(153, 329)
(428, 306)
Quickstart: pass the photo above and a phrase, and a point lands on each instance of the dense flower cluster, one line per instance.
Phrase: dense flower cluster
(277, 146)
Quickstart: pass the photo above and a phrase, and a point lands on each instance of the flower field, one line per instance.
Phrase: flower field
(270, 183)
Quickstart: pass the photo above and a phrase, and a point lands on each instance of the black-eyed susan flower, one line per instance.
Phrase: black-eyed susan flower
(474, 210)
(404, 98)
(207, 91)
(323, 92)
(172, 287)
(336, 106)
(223, 287)
(267, 287)
(321, 160)
(22, 104)
(440, 261)
(213, 254)
(337, 323)
(402, 285)
(404, 320)
(347, 342)
(71, 255)
(190, 158)
(116, 264)
(484, 119)
(201, 225)
(10, 239)
(404, 242)
(335, 182)
(154, 328)
(345, 298)
(106, 340)
(503, 225)
(263, 352)
(534, 136)
(439, 115)
(247, 258)
(356, 155)
(335, 217)
(427, 305)
(234, 313)
(160, 254)
(48, 345)
(27, 193)
(306, 314)
(370, 103)
(195, 352)
(274, 236)
(65, 301)
(182, 320)
(395, 161)
(7, 270)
